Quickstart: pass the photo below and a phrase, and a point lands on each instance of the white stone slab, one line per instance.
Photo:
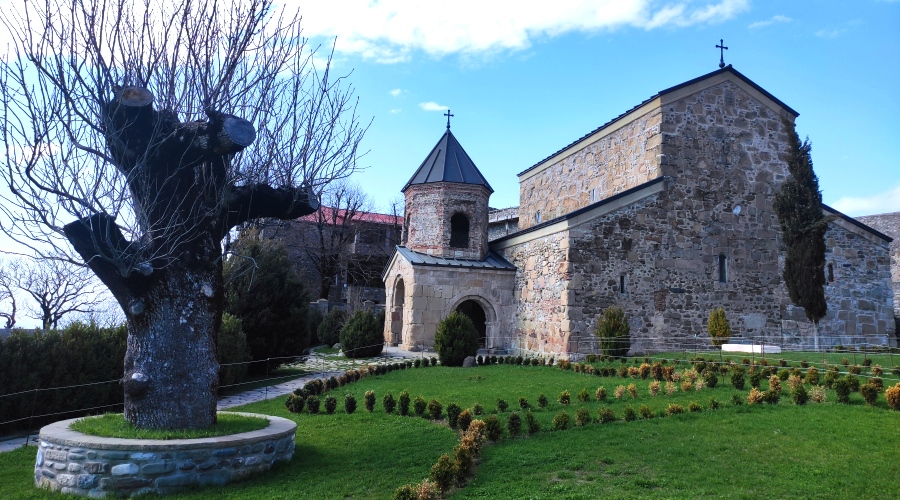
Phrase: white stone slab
(754, 348)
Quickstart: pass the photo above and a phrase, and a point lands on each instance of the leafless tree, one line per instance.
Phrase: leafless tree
(9, 279)
(128, 129)
(57, 289)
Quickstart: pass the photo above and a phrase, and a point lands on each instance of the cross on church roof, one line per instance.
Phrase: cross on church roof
(722, 48)
(448, 115)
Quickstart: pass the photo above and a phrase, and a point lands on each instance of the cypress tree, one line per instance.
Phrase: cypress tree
(803, 226)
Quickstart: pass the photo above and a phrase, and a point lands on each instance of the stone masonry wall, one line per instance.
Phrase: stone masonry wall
(429, 208)
(889, 224)
(430, 293)
(618, 161)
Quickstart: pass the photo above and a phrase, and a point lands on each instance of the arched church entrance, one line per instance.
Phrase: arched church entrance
(397, 311)
(476, 313)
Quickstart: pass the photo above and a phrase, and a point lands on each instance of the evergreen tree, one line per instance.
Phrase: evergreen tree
(803, 226)
(263, 290)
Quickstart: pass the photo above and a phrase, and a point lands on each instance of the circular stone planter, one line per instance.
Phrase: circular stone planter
(72, 462)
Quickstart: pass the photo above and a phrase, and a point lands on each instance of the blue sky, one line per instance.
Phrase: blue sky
(524, 79)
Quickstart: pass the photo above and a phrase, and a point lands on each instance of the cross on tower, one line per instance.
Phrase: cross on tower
(722, 48)
(448, 115)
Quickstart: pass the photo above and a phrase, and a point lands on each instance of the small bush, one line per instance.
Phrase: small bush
(463, 420)
(600, 394)
(502, 405)
(686, 385)
(718, 327)
(524, 404)
(362, 336)
(812, 376)
(877, 370)
(564, 398)
(736, 400)
(456, 339)
(329, 330)
(799, 395)
(404, 403)
(542, 401)
(713, 404)
(646, 412)
(531, 423)
(514, 424)
(755, 397)
(855, 369)
(674, 409)
(493, 428)
(775, 384)
(754, 380)
(369, 401)
(312, 405)
(349, 403)
(830, 378)
(671, 388)
(453, 411)
(737, 377)
(606, 415)
(443, 472)
(869, 393)
(794, 381)
(629, 414)
(419, 406)
(695, 407)
(330, 404)
(389, 402)
(582, 417)
(295, 403)
(710, 379)
(613, 332)
(562, 421)
(619, 391)
(853, 381)
(583, 396)
(477, 409)
(632, 391)
(435, 409)
(893, 397)
(817, 394)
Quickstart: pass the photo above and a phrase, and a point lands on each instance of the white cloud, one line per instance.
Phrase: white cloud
(830, 33)
(433, 106)
(770, 21)
(879, 203)
(394, 111)
(396, 92)
(390, 31)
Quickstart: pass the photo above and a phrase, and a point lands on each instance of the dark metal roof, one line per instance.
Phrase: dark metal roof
(727, 69)
(448, 162)
(491, 261)
(858, 224)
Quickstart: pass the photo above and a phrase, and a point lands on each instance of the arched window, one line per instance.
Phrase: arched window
(459, 231)
(723, 268)
(830, 273)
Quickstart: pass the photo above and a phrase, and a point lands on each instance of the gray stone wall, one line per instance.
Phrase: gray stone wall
(620, 159)
(502, 222)
(889, 224)
(429, 208)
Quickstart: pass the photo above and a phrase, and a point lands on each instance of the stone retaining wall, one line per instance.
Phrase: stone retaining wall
(75, 463)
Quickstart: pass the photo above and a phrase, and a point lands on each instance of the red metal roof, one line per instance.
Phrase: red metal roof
(329, 214)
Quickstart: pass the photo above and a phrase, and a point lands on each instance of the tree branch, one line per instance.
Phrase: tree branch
(246, 203)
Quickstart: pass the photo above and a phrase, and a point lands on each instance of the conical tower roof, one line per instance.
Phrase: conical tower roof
(448, 162)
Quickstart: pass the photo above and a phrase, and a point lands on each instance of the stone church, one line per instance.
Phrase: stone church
(666, 211)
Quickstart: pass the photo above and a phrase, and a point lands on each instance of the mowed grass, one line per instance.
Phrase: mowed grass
(114, 425)
(779, 451)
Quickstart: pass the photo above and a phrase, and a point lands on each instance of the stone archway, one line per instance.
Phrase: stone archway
(475, 313)
(399, 299)
(491, 336)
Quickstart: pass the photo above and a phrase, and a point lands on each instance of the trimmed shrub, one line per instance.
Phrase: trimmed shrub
(329, 330)
(817, 394)
(404, 403)
(613, 332)
(502, 405)
(542, 401)
(312, 405)
(524, 404)
(713, 404)
(453, 411)
(812, 376)
(493, 428)
(646, 412)
(736, 400)
(564, 398)
(632, 391)
(653, 387)
(583, 396)
(464, 419)
(718, 327)
(435, 409)
(295, 403)
(799, 395)
(695, 407)
(710, 379)
(456, 339)
(531, 423)
(562, 421)
(755, 396)
(582, 417)
(737, 377)
(831, 377)
(361, 336)
(477, 409)
(443, 472)
(330, 404)
(606, 415)
(869, 393)
(600, 394)
(419, 406)
(389, 402)
(893, 396)
(842, 389)
(369, 401)
(674, 409)
(349, 403)
(232, 349)
(629, 414)
(514, 424)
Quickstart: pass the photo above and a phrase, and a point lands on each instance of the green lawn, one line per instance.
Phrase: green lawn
(815, 451)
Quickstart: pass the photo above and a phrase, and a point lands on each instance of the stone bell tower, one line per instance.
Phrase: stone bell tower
(447, 204)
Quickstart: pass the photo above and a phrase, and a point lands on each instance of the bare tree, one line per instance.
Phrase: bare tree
(58, 289)
(127, 129)
(9, 279)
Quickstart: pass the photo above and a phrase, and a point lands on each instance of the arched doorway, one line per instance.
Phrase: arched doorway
(475, 312)
(397, 311)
